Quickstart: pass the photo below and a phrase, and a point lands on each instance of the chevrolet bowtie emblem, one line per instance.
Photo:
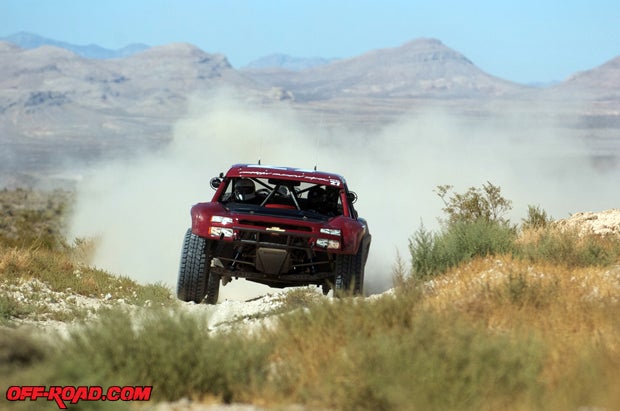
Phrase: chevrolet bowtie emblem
(278, 229)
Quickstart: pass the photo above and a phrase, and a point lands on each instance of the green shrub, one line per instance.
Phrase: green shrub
(536, 218)
(427, 258)
(484, 203)
(475, 226)
(433, 254)
(479, 238)
(11, 308)
(171, 350)
(571, 248)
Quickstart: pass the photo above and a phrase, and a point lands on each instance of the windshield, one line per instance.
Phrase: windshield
(291, 198)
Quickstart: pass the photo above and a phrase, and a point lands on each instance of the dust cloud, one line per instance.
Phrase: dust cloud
(139, 210)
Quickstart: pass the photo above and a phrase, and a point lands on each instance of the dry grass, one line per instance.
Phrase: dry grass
(494, 333)
(574, 310)
(33, 218)
(41, 275)
(61, 272)
(530, 327)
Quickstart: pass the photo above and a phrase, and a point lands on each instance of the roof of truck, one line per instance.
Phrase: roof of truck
(286, 173)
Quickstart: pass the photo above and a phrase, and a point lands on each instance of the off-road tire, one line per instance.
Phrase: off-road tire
(349, 274)
(194, 269)
(213, 288)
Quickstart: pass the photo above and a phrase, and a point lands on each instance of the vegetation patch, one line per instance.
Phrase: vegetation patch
(485, 316)
(42, 277)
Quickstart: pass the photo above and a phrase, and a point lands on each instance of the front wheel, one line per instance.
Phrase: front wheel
(349, 274)
(194, 282)
(213, 288)
(349, 271)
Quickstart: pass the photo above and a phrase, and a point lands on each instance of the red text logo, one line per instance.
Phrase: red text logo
(69, 394)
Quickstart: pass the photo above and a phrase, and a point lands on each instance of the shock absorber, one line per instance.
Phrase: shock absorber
(310, 255)
(238, 253)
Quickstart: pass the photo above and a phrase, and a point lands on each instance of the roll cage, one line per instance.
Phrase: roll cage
(306, 199)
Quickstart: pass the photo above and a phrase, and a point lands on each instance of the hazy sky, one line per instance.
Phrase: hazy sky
(523, 41)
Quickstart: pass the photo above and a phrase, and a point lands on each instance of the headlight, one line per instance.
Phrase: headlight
(220, 232)
(221, 219)
(330, 231)
(328, 244)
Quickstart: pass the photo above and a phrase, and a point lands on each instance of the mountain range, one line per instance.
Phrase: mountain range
(419, 68)
(27, 40)
(78, 99)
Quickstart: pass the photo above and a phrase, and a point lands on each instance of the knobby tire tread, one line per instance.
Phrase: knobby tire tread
(350, 273)
(193, 269)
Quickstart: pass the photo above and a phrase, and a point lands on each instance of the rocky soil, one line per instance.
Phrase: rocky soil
(604, 223)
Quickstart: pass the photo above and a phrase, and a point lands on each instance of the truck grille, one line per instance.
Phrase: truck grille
(286, 227)
(262, 238)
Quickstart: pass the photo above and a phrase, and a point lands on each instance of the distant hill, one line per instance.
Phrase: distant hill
(420, 68)
(602, 82)
(53, 100)
(144, 83)
(286, 62)
(27, 40)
